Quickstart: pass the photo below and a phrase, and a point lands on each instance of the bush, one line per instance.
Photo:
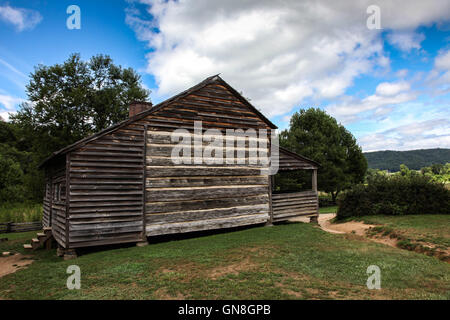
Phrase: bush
(395, 195)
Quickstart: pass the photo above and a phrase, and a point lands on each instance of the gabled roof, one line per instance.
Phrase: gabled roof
(209, 80)
(299, 157)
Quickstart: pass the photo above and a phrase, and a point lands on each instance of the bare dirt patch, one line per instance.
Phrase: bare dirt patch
(385, 240)
(162, 294)
(244, 265)
(355, 227)
(11, 264)
(352, 227)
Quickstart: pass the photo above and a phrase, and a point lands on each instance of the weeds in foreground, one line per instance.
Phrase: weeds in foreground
(20, 212)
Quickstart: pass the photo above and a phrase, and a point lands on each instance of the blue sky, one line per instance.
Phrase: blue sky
(390, 86)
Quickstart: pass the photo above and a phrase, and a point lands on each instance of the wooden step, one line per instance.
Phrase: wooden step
(41, 235)
(27, 246)
(35, 243)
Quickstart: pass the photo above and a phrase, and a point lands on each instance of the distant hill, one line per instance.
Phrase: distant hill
(413, 159)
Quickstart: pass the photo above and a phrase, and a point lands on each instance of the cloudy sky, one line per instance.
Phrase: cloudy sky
(387, 80)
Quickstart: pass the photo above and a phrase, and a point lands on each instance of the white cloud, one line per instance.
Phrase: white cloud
(438, 79)
(406, 40)
(391, 88)
(415, 135)
(279, 53)
(5, 115)
(442, 61)
(22, 19)
(9, 102)
(402, 73)
(387, 94)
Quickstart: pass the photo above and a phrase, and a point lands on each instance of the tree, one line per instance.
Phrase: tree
(11, 180)
(69, 101)
(66, 102)
(316, 135)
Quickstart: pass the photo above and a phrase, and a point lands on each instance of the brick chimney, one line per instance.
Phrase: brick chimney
(137, 107)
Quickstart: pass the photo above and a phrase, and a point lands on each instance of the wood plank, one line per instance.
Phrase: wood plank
(204, 181)
(162, 207)
(183, 171)
(202, 193)
(196, 215)
(158, 229)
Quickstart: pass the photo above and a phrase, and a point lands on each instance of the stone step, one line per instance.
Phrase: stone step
(34, 240)
(27, 246)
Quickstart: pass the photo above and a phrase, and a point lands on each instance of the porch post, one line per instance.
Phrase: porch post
(315, 219)
(314, 180)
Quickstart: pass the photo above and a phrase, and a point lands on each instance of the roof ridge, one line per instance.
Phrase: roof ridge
(155, 108)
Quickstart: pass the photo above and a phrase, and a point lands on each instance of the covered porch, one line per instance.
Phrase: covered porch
(287, 204)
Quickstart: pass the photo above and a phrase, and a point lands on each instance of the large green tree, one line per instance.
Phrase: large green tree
(69, 101)
(318, 136)
(66, 102)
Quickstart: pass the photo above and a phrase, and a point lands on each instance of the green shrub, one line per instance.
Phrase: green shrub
(395, 195)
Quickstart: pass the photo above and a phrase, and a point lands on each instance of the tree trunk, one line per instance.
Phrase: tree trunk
(334, 196)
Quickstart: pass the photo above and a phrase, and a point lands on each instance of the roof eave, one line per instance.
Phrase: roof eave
(154, 109)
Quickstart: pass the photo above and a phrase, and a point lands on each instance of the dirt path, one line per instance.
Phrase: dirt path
(11, 264)
(353, 227)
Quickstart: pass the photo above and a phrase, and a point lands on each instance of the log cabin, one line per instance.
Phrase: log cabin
(120, 185)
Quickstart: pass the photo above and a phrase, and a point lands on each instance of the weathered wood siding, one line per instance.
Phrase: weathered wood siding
(289, 205)
(189, 197)
(58, 202)
(289, 161)
(106, 189)
(46, 204)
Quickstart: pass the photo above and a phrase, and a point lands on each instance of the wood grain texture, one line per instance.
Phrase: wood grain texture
(289, 205)
(106, 191)
(191, 197)
(200, 225)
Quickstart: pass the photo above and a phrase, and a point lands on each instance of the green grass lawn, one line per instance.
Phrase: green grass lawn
(331, 209)
(286, 261)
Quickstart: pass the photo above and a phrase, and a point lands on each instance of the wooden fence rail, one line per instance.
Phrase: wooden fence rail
(20, 227)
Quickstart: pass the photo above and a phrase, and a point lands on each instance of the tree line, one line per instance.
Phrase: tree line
(65, 103)
(413, 159)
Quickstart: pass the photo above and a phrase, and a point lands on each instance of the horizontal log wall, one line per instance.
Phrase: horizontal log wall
(58, 205)
(106, 190)
(46, 205)
(289, 205)
(192, 197)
